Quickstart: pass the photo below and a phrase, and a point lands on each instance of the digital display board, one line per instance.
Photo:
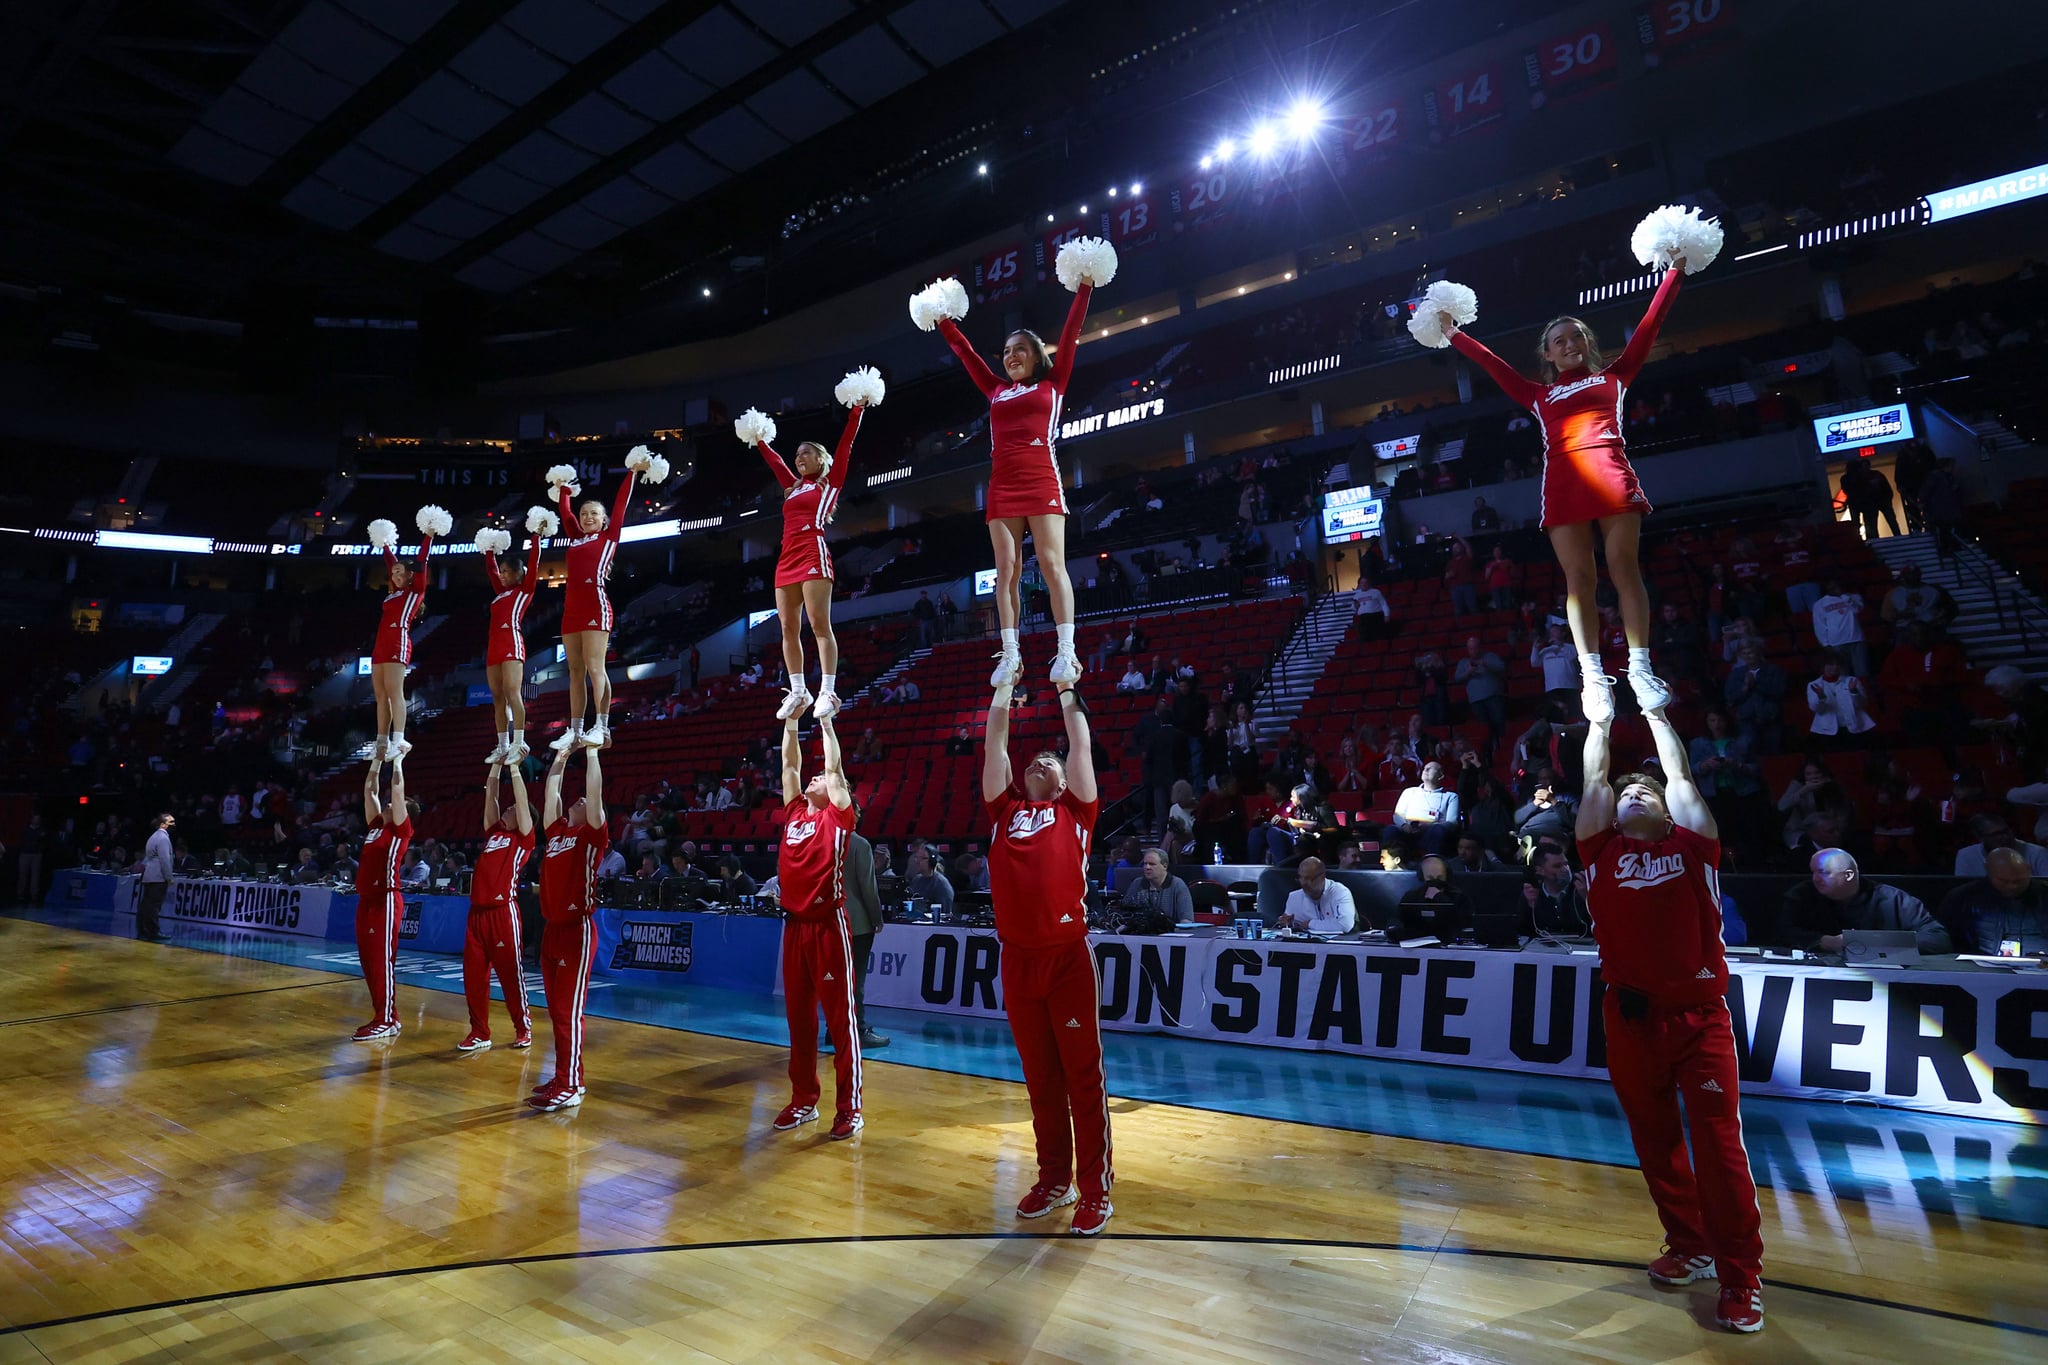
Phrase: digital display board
(1999, 190)
(1352, 514)
(150, 665)
(984, 582)
(1846, 431)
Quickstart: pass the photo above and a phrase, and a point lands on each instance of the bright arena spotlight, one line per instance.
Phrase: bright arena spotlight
(1263, 140)
(1304, 117)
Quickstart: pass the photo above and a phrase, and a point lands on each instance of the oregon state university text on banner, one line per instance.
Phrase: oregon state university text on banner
(1952, 1042)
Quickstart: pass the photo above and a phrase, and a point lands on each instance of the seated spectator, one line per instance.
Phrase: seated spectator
(1433, 691)
(1127, 854)
(1432, 907)
(1748, 583)
(970, 869)
(1902, 818)
(1427, 812)
(2002, 914)
(1350, 773)
(1548, 813)
(2020, 715)
(1180, 815)
(1725, 769)
(1399, 768)
(1219, 821)
(1553, 899)
(307, 869)
(1921, 681)
(926, 883)
(1991, 834)
(679, 865)
(1319, 905)
(1301, 813)
(1133, 680)
(870, 748)
(1837, 702)
(1474, 856)
(733, 881)
(1156, 889)
(613, 865)
(649, 871)
(1814, 790)
(1484, 518)
(1836, 898)
(1838, 625)
(1756, 695)
(1678, 645)
(1912, 600)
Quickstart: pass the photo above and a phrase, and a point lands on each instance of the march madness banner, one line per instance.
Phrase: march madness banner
(1973, 1043)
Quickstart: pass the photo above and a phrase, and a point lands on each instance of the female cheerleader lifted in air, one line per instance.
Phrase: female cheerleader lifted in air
(1587, 478)
(505, 648)
(803, 575)
(405, 602)
(586, 610)
(1024, 485)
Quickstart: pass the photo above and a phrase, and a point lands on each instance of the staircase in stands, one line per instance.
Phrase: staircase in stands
(180, 646)
(1300, 665)
(1992, 604)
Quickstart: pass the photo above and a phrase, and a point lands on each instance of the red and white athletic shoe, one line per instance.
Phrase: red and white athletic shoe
(846, 1125)
(1044, 1198)
(1740, 1310)
(373, 1031)
(522, 1040)
(1092, 1215)
(557, 1097)
(1672, 1268)
(475, 1042)
(549, 1084)
(793, 1115)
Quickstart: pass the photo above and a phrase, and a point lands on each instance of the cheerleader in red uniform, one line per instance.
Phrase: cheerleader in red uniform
(1588, 481)
(803, 575)
(505, 648)
(587, 617)
(1024, 484)
(405, 602)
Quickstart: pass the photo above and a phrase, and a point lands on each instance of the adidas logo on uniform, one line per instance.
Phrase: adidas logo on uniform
(1711, 1084)
(1076, 1023)
(828, 976)
(1066, 919)
(1706, 974)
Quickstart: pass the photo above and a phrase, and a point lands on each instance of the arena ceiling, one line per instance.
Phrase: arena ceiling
(198, 151)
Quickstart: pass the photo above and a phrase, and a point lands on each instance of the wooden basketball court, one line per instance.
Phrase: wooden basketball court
(200, 1166)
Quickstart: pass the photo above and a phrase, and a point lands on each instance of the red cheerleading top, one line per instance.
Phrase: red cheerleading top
(401, 608)
(590, 562)
(1586, 473)
(807, 504)
(1038, 867)
(1024, 421)
(497, 871)
(810, 867)
(1656, 909)
(568, 870)
(381, 860)
(509, 599)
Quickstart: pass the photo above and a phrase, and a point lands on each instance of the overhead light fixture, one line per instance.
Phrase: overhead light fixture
(707, 291)
(1048, 218)
(1206, 162)
(1137, 187)
(1304, 116)
(1226, 149)
(1263, 140)
(1084, 208)
(982, 169)
(1112, 191)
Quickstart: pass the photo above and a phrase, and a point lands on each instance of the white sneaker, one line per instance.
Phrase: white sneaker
(518, 752)
(793, 701)
(382, 751)
(1652, 692)
(1596, 699)
(1009, 668)
(1066, 666)
(401, 747)
(566, 741)
(827, 706)
(598, 736)
(498, 754)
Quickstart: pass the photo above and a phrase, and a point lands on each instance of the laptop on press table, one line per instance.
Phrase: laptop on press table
(1880, 948)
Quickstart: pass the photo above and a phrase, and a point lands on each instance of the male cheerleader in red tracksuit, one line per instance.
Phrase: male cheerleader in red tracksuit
(817, 948)
(1652, 853)
(379, 901)
(1038, 880)
(576, 843)
(492, 940)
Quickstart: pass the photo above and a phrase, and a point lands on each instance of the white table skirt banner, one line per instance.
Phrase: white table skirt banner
(1956, 1042)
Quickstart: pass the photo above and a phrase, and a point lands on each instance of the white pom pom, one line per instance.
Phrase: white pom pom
(638, 458)
(562, 473)
(861, 388)
(383, 534)
(1673, 232)
(1086, 260)
(754, 427)
(541, 522)
(434, 521)
(1441, 297)
(655, 471)
(493, 541)
(945, 298)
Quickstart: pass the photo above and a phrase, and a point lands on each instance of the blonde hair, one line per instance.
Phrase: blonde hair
(824, 468)
(602, 511)
(1595, 362)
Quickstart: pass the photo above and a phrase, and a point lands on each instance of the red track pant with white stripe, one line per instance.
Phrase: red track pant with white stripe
(492, 945)
(1051, 996)
(1706, 1200)
(817, 973)
(566, 952)
(377, 917)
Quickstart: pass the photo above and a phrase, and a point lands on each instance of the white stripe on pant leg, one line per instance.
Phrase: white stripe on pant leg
(517, 985)
(1095, 1022)
(394, 911)
(852, 1015)
(580, 994)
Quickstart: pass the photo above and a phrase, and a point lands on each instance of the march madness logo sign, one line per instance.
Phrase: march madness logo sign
(409, 919)
(653, 946)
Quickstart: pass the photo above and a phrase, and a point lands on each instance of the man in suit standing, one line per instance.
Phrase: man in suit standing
(863, 922)
(156, 880)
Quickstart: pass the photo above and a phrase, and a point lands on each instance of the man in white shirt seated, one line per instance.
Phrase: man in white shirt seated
(1429, 813)
(1133, 680)
(1321, 906)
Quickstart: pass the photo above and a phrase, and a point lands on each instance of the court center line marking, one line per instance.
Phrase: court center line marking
(181, 1000)
(1405, 1248)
